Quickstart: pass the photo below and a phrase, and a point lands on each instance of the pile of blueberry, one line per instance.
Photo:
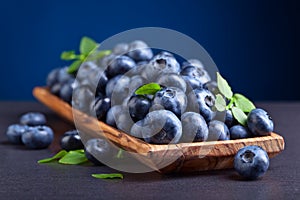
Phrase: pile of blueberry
(181, 109)
(176, 103)
(31, 131)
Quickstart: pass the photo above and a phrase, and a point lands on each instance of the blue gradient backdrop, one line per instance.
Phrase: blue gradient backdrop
(254, 43)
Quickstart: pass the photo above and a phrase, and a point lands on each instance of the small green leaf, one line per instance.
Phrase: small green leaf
(98, 55)
(239, 115)
(150, 88)
(120, 153)
(74, 66)
(243, 103)
(108, 176)
(68, 55)
(57, 156)
(73, 158)
(220, 103)
(223, 86)
(87, 45)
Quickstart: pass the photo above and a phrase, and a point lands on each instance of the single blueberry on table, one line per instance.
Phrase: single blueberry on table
(33, 119)
(172, 99)
(14, 133)
(37, 137)
(217, 130)
(239, 132)
(251, 162)
(259, 122)
(158, 127)
(71, 140)
(139, 106)
(194, 127)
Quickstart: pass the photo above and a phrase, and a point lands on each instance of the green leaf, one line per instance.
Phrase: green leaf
(57, 156)
(68, 55)
(74, 66)
(120, 153)
(150, 88)
(73, 158)
(243, 103)
(87, 45)
(98, 54)
(223, 86)
(108, 176)
(220, 103)
(239, 115)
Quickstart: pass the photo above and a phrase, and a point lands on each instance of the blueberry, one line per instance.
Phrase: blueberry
(192, 82)
(101, 107)
(251, 162)
(97, 150)
(194, 62)
(202, 101)
(165, 63)
(120, 49)
(194, 127)
(52, 77)
(211, 86)
(119, 80)
(239, 132)
(196, 74)
(111, 115)
(139, 51)
(65, 92)
(82, 98)
(71, 140)
(158, 127)
(172, 80)
(33, 119)
(85, 69)
(102, 82)
(14, 133)
(120, 90)
(172, 99)
(259, 122)
(124, 121)
(229, 120)
(38, 137)
(139, 106)
(63, 76)
(55, 89)
(217, 130)
(120, 65)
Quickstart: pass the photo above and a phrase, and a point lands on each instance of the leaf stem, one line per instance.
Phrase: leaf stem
(229, 106)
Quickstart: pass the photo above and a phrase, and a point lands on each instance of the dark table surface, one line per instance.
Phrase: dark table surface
(21, 177)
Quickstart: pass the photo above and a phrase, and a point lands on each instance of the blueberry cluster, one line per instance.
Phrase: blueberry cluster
(32, 131)
(181, 110)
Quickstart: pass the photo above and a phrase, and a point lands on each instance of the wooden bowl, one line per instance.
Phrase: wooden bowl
(182, 157)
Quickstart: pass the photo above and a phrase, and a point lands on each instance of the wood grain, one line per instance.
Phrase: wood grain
(183, 157)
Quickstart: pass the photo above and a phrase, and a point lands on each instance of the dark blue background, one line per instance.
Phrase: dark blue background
(254, 43)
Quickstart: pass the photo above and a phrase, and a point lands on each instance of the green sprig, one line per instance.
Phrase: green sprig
(88, 51)
(238, 103)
